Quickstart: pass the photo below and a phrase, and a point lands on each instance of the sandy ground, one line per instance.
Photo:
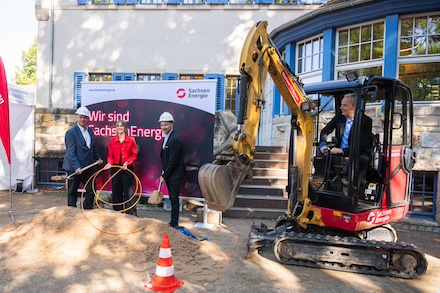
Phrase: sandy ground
(54, 248)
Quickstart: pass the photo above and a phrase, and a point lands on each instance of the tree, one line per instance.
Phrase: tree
(28, 73)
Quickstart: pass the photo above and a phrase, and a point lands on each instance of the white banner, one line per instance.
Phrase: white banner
(140, 104)
(199, 94)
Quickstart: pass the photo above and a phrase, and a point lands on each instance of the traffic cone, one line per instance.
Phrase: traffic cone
(164, 280)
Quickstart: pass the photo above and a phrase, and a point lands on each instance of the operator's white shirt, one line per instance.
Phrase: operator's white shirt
(165, 138)
(86, 135)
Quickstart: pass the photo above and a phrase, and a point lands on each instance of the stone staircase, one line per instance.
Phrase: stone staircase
(264, 196)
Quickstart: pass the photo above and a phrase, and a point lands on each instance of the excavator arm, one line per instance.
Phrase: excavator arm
(220, 180)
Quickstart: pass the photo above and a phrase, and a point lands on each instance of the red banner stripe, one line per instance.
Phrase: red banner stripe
(5, 130)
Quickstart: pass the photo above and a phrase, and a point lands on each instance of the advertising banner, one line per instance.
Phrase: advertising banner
(192, 104)
(5, 130)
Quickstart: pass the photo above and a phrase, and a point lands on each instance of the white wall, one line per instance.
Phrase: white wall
(195, 39)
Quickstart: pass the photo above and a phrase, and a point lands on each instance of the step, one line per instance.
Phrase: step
(271, 149)
(264, 196)
(257, 213)
(271, 156)
(278, 172)
(261, 190)
(269, 180)
(271, 164)
(261, 201)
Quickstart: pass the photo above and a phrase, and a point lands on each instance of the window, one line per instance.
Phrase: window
(311, 1)
(193, 2)
(231, 94)
(284, 2)
(102, 1)
(401, 112)
(190, 76)
(361, 43)
(419, 47)
(241, 2)
(360, 48)
(100, 77)
(423, 194)
(46, 168)
(420, 35)
(423, 80)
(376, 70)
(152, 2)
(310, 55)
(147, 77)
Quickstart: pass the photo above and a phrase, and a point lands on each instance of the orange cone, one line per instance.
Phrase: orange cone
(164, 280)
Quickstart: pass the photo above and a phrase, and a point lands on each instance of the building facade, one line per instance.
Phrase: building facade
(392, 38)
(91, 40)
(114, 40)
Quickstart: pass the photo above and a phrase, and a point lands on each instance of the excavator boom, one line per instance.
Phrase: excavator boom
(220, 181)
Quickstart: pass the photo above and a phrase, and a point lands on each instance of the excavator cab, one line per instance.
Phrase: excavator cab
(337, 182)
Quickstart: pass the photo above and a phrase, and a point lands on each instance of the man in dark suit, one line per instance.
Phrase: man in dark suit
(80, 152)
(173, 167)
(342, 124)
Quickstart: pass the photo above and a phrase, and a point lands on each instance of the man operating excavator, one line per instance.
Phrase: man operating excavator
(342, 124)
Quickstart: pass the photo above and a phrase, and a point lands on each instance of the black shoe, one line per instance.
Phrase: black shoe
(174, 225)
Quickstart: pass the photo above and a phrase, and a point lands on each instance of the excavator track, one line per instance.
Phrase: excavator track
(350, 254)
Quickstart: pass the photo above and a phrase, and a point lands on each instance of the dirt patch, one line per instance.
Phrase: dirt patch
(65, 243)
(55, 248)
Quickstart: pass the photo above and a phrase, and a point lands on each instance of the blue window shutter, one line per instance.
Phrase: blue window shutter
(131, 1)
(263, 1)
(220, 94)
(173, 1)
(117, 76)
(78, 77)
(286, 109)
(118, 1)
(83, 2)
(170, 76)
(129, 77)
(276, 102)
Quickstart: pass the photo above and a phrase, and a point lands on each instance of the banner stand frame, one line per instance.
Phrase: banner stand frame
(205, 224)
(10, 195)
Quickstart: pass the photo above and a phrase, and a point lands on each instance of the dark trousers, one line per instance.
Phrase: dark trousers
(72, 191)
(336, 169)
(174, 190)
(364, 162)
(122, 190)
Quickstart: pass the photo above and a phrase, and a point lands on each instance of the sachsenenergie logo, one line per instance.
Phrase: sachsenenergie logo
(181, 93)
(198, 93)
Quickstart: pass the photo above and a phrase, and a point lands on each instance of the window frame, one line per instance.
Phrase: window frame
(231, 93)
(413, 36)
(48, 171)
(303, 58)
(190, 76)
(422, 193)
(101, 75)
(148, 76)
(360, 64)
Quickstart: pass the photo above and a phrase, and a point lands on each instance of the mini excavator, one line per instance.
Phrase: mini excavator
(334, 219)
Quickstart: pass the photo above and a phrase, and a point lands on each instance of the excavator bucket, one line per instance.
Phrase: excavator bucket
(220, 183)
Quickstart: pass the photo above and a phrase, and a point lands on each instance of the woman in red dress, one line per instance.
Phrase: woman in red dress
(122, 152)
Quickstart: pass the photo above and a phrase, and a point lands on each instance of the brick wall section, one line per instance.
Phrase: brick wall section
(50, 128)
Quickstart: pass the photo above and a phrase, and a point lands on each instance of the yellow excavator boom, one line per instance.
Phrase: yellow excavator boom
(220, 180)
